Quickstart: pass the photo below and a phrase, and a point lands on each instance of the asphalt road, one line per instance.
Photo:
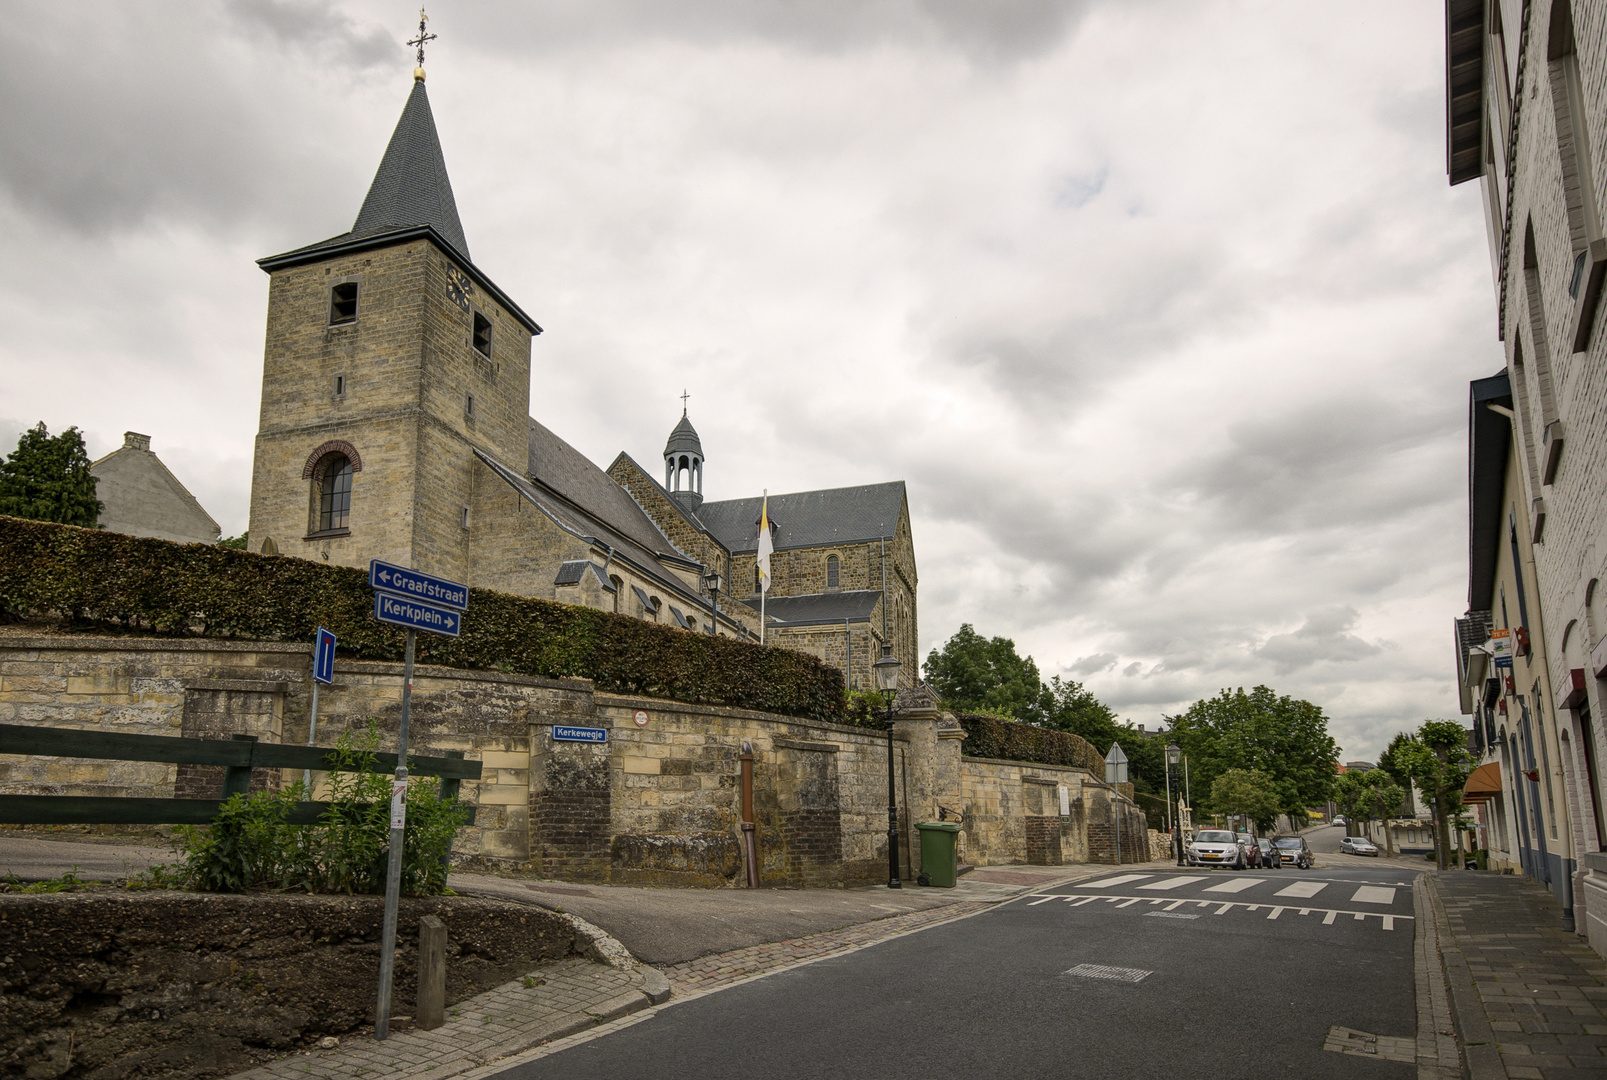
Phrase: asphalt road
(1239, 975)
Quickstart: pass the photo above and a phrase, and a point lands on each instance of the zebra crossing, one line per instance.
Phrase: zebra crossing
(1274, 896)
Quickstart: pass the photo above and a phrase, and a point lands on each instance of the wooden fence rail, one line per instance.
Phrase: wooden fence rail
(238, 756)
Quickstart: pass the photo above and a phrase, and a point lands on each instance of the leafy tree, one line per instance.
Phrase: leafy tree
(1383, 798)
(1350, 796)
(979, 674)
(1247, 793)
(47, 479)
(1283, 737)
(1437, 760)
(238, 543)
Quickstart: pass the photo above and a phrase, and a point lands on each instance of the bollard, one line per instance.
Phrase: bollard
(431, 1006)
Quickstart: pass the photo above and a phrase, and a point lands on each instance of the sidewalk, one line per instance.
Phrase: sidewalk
(1529, 998)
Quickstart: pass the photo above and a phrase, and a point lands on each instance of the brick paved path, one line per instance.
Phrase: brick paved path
(1530, 998)
(563, 999)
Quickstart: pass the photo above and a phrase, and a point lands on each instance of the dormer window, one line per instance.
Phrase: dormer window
(482, 335)
(343, 303)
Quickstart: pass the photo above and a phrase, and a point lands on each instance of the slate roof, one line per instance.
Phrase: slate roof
(808, 518)
(411, 196)
(813, 609)
(569, 473)
(684, 439)
(574, 571)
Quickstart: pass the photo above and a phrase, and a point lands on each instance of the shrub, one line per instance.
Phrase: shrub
(991, 737)
(108, 580)
(251, 843)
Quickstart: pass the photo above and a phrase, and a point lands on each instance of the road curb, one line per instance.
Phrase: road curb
(1443, 986)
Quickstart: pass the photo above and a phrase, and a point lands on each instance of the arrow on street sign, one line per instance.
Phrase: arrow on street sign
(389, 577)
(414, 615)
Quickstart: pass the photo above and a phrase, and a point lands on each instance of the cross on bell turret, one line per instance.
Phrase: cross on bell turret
(683, 462)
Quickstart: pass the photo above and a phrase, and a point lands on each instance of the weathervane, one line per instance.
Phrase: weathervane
(684, 396)
(418, 73)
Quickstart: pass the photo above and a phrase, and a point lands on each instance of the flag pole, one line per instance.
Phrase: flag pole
(764, 577)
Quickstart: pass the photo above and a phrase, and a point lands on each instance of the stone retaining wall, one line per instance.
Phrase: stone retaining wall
(658, 803)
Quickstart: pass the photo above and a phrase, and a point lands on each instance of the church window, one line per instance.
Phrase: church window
(343, 303)
(464, 519)
(482, 335)
(340, 386)
(468, 407)
(334, 493)
(619, 587)
(832, 567)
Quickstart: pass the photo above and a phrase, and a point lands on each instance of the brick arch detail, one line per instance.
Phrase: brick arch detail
(331, 447)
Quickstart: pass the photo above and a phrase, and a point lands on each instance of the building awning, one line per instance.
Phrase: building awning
(1485, 782)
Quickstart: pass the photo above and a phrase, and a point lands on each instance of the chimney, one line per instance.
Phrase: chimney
(133, 440)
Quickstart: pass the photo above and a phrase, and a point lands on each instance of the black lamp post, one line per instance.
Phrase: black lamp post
(1173, 756)
(711, 582)
(887, 681)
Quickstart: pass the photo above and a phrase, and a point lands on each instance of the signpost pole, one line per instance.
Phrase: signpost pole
(312, 733)
(393, 872)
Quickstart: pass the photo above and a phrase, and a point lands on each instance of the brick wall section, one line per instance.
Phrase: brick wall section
(218, 709)
(570, 809)
(1043, 840)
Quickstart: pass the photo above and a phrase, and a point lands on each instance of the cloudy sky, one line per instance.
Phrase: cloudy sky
(1164, 311)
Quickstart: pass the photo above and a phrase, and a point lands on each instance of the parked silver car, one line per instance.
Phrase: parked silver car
(1358, 845)
(1293, 851)
(1216, 847)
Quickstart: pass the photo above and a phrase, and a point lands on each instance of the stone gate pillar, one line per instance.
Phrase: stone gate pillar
(922, 749)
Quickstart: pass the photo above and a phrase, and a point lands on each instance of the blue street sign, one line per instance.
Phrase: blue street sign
(417, 616)
(427, 587)
(579, 734)
(323, 656)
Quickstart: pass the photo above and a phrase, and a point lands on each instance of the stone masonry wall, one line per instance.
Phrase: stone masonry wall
(658, 803)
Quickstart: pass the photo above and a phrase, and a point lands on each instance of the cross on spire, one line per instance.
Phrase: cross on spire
(422, 37)
(684, 396)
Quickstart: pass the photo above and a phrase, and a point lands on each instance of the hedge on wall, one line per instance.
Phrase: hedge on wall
(991, 737)
(107, 580)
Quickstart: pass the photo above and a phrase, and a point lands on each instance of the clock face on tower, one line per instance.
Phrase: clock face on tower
(459, 287)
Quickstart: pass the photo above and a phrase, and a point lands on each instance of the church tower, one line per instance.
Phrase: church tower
(683, 465)
(390, 359)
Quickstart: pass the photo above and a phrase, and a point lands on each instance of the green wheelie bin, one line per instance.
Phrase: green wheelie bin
(939, 853)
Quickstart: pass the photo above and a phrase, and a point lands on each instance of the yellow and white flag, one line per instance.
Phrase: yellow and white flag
(765, 544)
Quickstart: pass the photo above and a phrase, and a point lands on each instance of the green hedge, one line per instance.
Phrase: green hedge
(105, 580)
(990, 737)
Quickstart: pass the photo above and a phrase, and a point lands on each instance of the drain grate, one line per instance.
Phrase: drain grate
(1099, 971)
(1170, 915)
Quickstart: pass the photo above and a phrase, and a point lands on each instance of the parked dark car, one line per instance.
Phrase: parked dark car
(1292, 851)
(1269, 855)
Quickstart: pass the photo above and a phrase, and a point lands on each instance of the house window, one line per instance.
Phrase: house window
(334, 492)
(343, 303)
(482, 335)
(831, 571)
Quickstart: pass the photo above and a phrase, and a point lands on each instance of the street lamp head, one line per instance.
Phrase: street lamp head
(887, 671)
(711, 579)
(1173, 754)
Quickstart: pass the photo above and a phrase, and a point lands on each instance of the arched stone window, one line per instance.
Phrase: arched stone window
(833, 566)
(332, 479)
(619, 588)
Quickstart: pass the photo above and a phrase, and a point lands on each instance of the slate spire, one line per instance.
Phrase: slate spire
(411, 187)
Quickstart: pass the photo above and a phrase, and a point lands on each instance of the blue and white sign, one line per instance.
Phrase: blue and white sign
(579, 734)
(411, 583)
(323, 656)
(414, 615)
